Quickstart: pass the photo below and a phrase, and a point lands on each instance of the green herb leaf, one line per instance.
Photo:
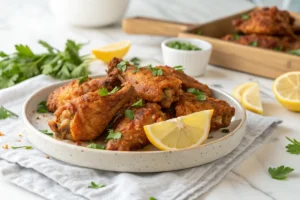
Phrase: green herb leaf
(113, 135)
(225, 130)
(47, 46)
(200, 96)
(116, 89)
(42, 107)
(178, 68)
(129, 114)
(95, 146)
(294, 147)
(136, 61)
(3, 55)
(96, 186)
(245, 17)
(199, 32)
(122, 66)
(155, 71)
(152, 198)
(4, 113)
(295, 52)
(236, 36)
(24, 50)
(25, 147)
(183, 46)
(279, 48)
(47, 132)
(83, 79)
(139, 103)
(280, 173)
(254, 43)
(103, 92)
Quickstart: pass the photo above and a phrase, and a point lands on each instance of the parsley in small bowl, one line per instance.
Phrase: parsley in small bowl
(183, 46)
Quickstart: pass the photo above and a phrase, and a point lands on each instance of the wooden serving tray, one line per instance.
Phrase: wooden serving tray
(253, 60)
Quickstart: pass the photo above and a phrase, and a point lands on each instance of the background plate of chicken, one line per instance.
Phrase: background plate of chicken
(98, 122)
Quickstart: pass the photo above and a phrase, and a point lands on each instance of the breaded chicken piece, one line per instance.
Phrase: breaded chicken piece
(163, 89)
(267, 21)
(66, 93)
(221, 118)
(133, 135)
(86, 117)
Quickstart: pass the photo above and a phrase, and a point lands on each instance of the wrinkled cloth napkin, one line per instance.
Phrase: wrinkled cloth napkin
(54, 179)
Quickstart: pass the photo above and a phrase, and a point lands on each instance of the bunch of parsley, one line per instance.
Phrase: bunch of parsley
(24, 64)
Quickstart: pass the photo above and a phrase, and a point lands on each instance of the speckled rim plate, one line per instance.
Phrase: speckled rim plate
(146, 160)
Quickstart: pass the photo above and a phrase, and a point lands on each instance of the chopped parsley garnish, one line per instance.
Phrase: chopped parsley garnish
(95, 146)
(225, 130)
(253, 43)
(152, 198)
(183, 46)
(25, 147)
(135, 61)
(295, 52)
(112, 135)
(42, 107)
(96, 186)
(245, 17)
(236, 36)
(178, 68)
(116, 89)
(122, 66)
(82, 79)
(278, 48)
(155, 71)
(199, 32)
(294, 147)
(129, 114)
(104, 92)
(200, 96)
(139, 103)
(4, 113)
(280, 173)
(47, 132)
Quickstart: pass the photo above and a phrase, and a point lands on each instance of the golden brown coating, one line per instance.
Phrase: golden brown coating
(267, 21)
(187, 81)
(66, 93)
(87, 116)
(133, 135)
(163, 89)
(221, 118)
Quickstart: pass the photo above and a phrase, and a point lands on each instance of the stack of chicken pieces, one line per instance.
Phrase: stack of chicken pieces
(81, 114)
(267, 28)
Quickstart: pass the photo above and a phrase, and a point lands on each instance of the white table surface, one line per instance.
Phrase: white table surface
(30, 20)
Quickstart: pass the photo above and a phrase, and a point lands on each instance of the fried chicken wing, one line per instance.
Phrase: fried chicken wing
(66, 93)
(87, 116)
(163, 89)
(267, 21)
(223, 113)
(133, 135)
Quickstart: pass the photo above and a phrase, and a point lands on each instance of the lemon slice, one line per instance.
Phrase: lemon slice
(251, 99)
(239, 90)
(118, 49)
(287, 90)
(181, 132)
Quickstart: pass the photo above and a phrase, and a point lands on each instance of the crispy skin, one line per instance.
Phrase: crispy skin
(133, 135)
(86, 117)
(268, 21)
(163, 89)
(66, 93)
(221, 118)
(187, 81)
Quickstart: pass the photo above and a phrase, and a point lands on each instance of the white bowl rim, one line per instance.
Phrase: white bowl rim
(163, 45)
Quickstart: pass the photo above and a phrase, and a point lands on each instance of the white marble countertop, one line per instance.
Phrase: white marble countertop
(30, 20)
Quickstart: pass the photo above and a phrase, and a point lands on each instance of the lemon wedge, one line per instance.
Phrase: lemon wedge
(239, 90)
(251, 99)
(287, 90)
(118, 49)
(181, 132)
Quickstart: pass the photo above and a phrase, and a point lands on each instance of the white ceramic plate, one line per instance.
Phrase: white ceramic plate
(146, 160)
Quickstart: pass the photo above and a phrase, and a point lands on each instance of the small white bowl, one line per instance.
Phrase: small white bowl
(89, 13)
(194, 62)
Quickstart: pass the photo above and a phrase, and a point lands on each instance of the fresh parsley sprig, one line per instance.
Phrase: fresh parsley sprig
(294, 147)
(129, 114)
(25, 147)
(155, 71)
(200, 96)
(122, 66)
(295, 52)
(280, 173)
(46, 132)
(112, 135)
(178, 68)
(135, 61)
(95, 146)
(83, 79)
(96, 186)
(139, 103)
(42, 107)
(104, 92)
(4, 113)
(245, 16)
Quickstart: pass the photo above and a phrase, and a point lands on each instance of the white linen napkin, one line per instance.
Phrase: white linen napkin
(54, 179)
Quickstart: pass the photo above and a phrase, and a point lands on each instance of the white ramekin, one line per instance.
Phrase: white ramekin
(193, 62)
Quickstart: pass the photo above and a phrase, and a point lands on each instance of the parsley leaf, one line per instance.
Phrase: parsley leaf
(199, 32)
(136, 61)
(103, 92)
(95, 146)
(245, 17)
(155, 71)
(24, 50)
(236, 36)
(152, 198)
(25, 147)
(139, 103)
(279, 48)
(178, 68)
(200, 96)
(82, 80)
(293, 148)
(295, 52)
(253, 43)
(280, 173)
(96, 186)
(47, 132)
(113, 135)
(116, 89)
(129, 114)
(183, 46)
(4, 113)
(42, 107)
(122, 66)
